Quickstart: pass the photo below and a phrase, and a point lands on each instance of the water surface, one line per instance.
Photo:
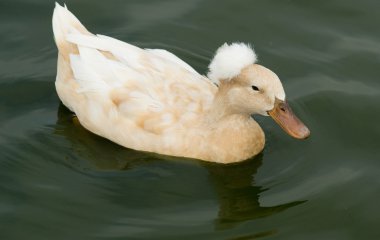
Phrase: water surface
(58, 181)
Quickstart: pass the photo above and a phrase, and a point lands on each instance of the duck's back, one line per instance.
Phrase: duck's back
(139, 98)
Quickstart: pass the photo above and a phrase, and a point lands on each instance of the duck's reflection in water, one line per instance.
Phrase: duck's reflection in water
(234, 184)
(238, 194)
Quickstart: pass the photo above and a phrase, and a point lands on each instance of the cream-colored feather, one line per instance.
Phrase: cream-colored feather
(150, 100)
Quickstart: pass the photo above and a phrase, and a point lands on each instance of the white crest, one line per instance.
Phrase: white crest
(229, 60)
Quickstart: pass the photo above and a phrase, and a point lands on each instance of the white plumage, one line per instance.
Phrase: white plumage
(114, 86)
(229, 60)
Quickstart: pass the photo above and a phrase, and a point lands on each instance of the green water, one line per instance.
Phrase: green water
(58, 181)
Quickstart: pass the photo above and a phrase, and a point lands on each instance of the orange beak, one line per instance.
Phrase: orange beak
(284, 116)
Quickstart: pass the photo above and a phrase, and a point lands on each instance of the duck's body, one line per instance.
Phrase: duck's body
(148, 100)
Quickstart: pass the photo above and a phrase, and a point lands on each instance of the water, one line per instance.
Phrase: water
(58, 181)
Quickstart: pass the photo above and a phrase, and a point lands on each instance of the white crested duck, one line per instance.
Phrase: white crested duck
(150, 100)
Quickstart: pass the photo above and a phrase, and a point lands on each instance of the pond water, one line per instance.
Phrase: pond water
(58, 181)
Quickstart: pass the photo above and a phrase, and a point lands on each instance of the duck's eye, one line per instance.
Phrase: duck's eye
(255, 88)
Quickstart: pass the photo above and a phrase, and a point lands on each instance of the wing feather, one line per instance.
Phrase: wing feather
(152, 88)
(171, 57)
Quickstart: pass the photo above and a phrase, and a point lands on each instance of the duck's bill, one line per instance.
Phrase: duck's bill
(284, 116)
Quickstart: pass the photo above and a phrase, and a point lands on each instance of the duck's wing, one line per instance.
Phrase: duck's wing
(152, 88)
(171, 58)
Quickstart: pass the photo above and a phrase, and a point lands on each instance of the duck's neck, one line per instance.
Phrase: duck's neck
(235, 136)
(221, 109)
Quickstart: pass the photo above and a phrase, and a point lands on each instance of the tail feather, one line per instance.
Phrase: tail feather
(64, 23)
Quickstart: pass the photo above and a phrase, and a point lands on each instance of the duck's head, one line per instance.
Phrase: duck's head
(250, 88)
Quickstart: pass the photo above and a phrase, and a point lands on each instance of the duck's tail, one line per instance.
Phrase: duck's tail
(64, 23)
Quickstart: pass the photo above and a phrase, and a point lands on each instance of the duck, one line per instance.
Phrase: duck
(151, 100)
